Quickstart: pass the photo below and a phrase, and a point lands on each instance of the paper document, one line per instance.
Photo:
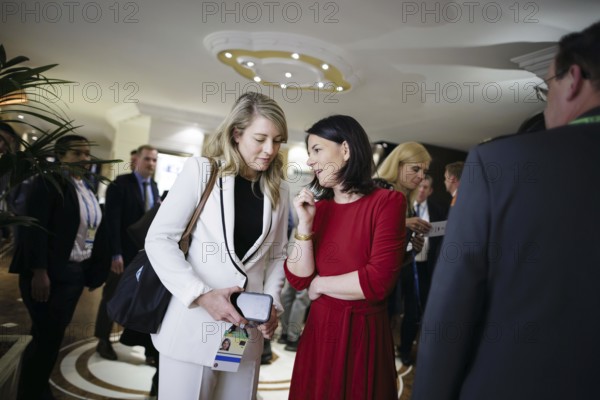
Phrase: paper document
(437, 229)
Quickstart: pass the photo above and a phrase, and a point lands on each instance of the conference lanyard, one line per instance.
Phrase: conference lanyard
(585, 120)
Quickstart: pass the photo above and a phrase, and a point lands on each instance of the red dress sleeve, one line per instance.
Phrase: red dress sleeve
(297, 282)
(378, 278)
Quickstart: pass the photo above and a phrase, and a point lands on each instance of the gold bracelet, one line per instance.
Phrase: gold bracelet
(299, 236)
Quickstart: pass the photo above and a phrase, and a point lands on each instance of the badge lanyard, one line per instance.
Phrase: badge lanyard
(91, 228)
(585, 120)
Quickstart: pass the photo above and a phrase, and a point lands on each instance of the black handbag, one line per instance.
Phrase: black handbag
(138, 230)
(141, 300)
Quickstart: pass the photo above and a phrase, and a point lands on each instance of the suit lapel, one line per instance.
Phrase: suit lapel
(229, 215)
(136, 190)
(266, 228)
(229, 208)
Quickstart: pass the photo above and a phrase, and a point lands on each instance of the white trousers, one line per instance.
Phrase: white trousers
(183, 380)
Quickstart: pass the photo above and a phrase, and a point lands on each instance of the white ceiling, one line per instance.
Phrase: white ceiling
(448, 82)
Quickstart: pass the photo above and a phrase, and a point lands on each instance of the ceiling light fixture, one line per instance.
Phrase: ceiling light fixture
(315, 65)
(17, 97)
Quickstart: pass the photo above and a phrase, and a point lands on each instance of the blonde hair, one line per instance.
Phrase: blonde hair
(222, 144)
(408, 152)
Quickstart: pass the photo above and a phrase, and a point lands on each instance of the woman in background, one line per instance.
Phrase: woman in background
(403, 170)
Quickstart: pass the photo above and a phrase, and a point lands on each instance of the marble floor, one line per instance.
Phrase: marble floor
(81, 374)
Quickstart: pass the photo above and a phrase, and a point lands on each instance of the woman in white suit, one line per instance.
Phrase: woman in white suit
(239, 242)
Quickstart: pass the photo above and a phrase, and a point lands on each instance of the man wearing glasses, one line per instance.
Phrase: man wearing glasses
(515, 312)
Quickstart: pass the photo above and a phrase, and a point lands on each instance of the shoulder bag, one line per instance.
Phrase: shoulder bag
(140, 300)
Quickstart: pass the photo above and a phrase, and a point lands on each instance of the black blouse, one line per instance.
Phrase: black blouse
(249, 202)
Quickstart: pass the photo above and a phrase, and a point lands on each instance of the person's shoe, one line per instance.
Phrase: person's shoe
(265, 359)
(292, 345)
(106, 350)
(283, 339)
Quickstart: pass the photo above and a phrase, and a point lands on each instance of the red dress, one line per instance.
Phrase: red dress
(346, 349)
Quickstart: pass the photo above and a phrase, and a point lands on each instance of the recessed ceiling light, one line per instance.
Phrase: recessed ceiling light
(283, 85)
(228, 55)
(34, 138)
(257, 79)
(288, 74)
(325, 67)
(250, 64)
(339, 88)
(295, 56)
(320, 85)
(20, 116)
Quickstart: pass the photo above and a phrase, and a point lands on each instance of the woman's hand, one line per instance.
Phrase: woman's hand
(418, 241)
(40, 285)
(418, 225)
(218, 304)
(313, 291)
(268, 328)
(304, 204)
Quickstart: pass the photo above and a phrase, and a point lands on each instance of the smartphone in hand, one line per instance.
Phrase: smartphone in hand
(255, 307)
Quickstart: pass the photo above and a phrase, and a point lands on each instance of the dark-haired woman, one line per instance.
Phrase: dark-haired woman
(349, 247)
(50, 261)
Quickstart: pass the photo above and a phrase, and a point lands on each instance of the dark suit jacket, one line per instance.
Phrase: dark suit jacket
(124, 206)
(50, 249)
(514, 308)
(436, 213)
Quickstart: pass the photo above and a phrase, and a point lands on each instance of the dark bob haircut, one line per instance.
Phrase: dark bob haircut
(355, 176)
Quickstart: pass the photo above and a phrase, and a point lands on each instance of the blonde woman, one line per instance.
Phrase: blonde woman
(237, 243)
(403, 170)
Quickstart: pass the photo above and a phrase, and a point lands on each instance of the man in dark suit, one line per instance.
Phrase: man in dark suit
(452, 176)
(513, 311)
(127, 199)
(414, 300)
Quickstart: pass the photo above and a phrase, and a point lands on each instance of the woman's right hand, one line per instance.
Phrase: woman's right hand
(304, 204)
(218, 304)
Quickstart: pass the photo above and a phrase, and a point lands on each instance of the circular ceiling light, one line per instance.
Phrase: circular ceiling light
(318, 66)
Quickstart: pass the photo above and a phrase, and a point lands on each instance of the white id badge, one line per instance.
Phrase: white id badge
(231, 350)
(89, 238)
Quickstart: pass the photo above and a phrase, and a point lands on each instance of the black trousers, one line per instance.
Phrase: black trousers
(49, 321)
(412, 311)
(103, 322)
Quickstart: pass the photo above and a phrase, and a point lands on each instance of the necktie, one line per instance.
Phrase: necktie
(417, 211)
(147, 202)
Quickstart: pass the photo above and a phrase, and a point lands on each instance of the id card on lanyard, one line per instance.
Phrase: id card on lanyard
(92, 227)
(231, 350)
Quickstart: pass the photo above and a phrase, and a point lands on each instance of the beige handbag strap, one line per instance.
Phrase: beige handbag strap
(184, 243)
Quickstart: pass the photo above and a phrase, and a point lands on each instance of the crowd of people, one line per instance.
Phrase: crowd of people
(505, 300)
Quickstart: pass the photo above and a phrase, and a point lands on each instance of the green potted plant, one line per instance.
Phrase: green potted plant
(27, 91)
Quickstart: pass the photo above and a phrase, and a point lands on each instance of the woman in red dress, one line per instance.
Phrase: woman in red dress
(349, 246)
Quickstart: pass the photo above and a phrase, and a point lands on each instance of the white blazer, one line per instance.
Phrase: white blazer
(188, 332)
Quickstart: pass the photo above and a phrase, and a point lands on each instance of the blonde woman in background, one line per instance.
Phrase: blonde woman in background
(403, 170)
